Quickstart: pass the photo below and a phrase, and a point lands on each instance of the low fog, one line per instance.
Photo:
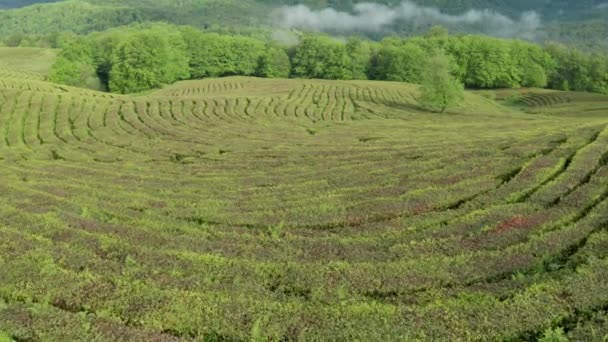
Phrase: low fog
(371, 17)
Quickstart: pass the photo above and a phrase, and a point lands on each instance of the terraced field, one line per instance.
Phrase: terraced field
(242, 208)
(25, 63)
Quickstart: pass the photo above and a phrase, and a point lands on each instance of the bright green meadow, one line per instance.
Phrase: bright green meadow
(246, 209)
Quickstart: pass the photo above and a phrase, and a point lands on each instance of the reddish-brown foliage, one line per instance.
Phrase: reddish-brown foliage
(516, 222)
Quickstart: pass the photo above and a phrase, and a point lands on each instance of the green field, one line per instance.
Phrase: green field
(25, 63)
(242, 209)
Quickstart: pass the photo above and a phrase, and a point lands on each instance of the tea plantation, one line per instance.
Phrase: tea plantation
(242, 209)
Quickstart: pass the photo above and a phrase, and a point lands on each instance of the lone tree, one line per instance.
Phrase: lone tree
(440, 90)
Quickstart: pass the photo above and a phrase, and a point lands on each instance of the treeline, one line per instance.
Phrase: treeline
(50, 40)
(85, 16)
(142, 57)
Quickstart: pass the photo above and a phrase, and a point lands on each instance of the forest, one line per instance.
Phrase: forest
(578, 23)
(142, 57)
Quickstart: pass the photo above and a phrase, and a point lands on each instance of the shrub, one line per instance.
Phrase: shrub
(554, 335)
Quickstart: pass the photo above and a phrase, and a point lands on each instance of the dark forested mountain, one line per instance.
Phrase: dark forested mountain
(549, 8)
(21, 3)
(582, 22)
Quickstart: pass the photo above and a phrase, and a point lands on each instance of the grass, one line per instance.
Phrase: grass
(26, 63)
(243, 208)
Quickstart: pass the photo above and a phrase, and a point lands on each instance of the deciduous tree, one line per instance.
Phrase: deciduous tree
(440, 90)
(141, 62)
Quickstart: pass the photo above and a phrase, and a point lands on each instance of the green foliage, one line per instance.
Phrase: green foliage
(242, 56)
(213, 55)
(489, 64)
(186, 52)
(49, 40)
(478, 62)
(74, 65)
(76, 48)
(360, 52)
(146, 60)
(534, 76)
(321, 57)
(326, 58)
(104, 45)
(437, 32)
(66, 16)
(137, 64)
(399, 60)
(205, 52)
(4, 337)
(14, 39)
(594, 328)
(274, 63)
(440, 90)
(74, 73)
(583, 34)
(576, 70)
(554, 335)
(534, 64)
(84, 16)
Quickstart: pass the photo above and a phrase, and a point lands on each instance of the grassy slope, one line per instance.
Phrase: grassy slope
(26, 63)
(243, 208)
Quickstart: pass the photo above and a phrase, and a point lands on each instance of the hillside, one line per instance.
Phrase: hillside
(26, 63)
(83, 16)
(274, 209)
(547, 8)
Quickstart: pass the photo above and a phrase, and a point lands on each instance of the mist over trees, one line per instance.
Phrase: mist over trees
(141, 57)
(579, 23)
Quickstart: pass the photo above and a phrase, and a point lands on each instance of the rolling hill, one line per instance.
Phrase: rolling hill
(273, 209)
(577, 22)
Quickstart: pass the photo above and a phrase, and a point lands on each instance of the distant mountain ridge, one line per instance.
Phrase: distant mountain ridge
(549, 9)
(585, 19)
(21, 3)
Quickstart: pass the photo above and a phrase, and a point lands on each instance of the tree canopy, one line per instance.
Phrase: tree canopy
(146, 60)
(144, 56)
(440, 89)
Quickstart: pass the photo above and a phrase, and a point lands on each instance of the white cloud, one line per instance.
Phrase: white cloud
(371, 17)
